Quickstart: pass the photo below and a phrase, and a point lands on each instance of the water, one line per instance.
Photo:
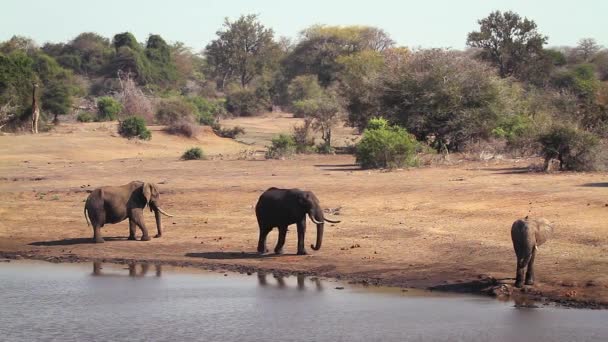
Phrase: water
(86, 302)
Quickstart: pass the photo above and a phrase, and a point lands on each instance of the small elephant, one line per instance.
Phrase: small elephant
(282, 207)
(527, 234)
(113, 204)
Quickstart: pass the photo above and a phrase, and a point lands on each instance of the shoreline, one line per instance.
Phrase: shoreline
(484, 286)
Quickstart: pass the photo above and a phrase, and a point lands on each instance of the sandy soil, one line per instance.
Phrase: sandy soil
(446, 227)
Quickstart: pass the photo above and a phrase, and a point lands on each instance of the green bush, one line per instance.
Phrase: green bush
(108, 108)
(209, 111)
(575, 149)
(171, 111)
(384, 146)
(134, 127)
(85, 117)
(194, 153)
(281, 146)
(247, 102)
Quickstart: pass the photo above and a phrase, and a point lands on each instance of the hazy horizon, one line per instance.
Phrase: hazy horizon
(433, 23)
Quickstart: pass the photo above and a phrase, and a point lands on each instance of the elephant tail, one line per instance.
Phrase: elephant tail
(85, 215)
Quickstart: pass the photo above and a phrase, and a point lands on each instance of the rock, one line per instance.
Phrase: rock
(339, 287)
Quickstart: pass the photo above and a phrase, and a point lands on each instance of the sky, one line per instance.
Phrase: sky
(416, 24)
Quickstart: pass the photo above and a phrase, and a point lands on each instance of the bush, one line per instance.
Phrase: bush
(301, 135)
(85, 117)
(281, 146)
(209, 111)
(134, 127)
(194, 153)
(108, 109)
(172, 111)
(575, 149)
(228, 132)
(384, 146)
(184, 128)
(247, 102)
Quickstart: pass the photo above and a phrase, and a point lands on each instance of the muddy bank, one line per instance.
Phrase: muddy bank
(484, 285)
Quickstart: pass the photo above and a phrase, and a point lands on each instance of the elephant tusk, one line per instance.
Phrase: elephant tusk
(164, 213)
(313, 220)
(536, 247)
(330, 221)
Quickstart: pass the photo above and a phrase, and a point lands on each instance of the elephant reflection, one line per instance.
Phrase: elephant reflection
(301, 281)
(144, 268)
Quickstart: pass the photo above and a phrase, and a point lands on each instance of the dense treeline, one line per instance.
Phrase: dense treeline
(508, 85)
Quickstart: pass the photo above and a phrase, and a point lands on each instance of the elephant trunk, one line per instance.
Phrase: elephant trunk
(319, 237)
(159, 224)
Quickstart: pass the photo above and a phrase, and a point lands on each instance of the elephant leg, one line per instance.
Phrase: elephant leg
(301, 234)
(281, 242)
(132, 228)
(530, 271)
(262, 240)
(138, 217)
(132, 270)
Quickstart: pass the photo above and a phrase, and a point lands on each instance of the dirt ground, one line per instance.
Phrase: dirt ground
(446, 227)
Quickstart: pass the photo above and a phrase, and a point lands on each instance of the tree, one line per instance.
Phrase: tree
(442, 96)
(321, 46)
(56, 99)
(507, 41)
(244, 49)
(587, 48)
(323, 110)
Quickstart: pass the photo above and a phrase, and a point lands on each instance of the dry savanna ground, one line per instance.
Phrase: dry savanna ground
(445, 226)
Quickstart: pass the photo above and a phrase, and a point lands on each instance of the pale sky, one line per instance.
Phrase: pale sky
(420, 23)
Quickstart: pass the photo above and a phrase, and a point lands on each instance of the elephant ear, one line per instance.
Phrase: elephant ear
(305, 200)
(147, 192)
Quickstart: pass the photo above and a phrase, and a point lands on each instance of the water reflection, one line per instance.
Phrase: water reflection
(144, 268)
(281, 281)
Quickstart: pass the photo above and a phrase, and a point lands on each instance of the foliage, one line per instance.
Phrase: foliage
(228, 132)
(56, 98)
(182, 127)
(444, 97)
(281, 146)
(384, 146)
(108, 108)
(247, 101)
(575, 149)
(134, 127)
(173, 110)
(243, 50)
(85, 117)
(323, 111)
(301, 136)
(303, 87)
(209, 110)
(195, 153)
(507, 41)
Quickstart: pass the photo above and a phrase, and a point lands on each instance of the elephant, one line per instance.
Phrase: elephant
(113, 204)
(527, 235)
(282, 207)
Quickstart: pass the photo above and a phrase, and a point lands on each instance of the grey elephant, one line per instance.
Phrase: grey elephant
(283, 207)
(527, 235)
(113, 204)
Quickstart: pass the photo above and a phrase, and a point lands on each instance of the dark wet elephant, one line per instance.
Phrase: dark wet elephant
(527, 234)
(113, 204)
(283, 207)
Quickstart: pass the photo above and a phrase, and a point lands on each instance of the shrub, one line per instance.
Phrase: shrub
(281, 146)
(183, 127)
(208, 110)
(194, 153)
(575, 149)
(134, 127)
(108, 109)
(247, 102)
(384, 146)
(85, 117)
(301, 135)
(228, 132)
(172, 111)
